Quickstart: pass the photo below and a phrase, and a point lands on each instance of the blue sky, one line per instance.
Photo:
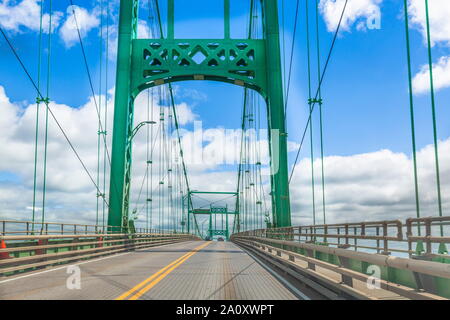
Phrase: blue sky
(365, 90)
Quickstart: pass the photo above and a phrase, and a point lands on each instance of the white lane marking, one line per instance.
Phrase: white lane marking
(281, 279)
(59, 268)
(77, 264)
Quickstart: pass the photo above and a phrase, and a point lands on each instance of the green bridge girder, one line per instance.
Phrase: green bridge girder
(145, 63)
(161, 61)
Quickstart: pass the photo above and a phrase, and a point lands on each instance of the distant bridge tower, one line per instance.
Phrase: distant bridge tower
(145, 63)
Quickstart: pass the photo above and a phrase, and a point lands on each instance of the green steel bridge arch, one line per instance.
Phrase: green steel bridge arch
(146, 63)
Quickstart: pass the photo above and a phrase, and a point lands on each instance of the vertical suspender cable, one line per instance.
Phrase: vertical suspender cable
(147, 164)
(433, 109)
(291, 59)
(310, 102)
(160, 164)
(38, 102)
(58, 124)
(320, 84)
(106, 108)
(46, 115)
(99, 132)
(172, 101)
(151, 160)
(320, 114)
(411, 110)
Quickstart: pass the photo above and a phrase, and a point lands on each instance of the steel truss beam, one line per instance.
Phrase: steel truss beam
(145, 63)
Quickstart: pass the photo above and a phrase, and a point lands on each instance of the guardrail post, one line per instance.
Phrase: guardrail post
(346, 235)
(74, 247)
(346, 245)
(377, 232)
(345, 262)
(310, 253)
(428, 235)
(339, 238)
(385, 240)
(424, 281)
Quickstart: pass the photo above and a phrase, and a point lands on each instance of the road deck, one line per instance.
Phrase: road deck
(193, 270)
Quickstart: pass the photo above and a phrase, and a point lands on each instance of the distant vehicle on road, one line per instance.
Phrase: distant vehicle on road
(220, 239)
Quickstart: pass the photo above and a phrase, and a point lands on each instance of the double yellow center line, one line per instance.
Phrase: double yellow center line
(140, 289)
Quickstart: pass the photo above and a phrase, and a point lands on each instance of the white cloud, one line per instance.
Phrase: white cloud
(144, 32)
(25, 14)
(86, 22)
(441, 76)
(357, 11)
(371, 187)
(71, 195)
(439, 13)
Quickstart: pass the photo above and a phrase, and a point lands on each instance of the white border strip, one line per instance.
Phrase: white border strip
(78, 264)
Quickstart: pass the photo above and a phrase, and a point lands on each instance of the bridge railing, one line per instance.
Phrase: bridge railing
(345, 250)
(24, 249)
(384, 237)
(435, 231)
(15, 227)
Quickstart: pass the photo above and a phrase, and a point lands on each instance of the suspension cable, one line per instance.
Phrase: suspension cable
(320, 114)
(172, 101)
(49, 109)
(38, 102)
(411, 110)
(106, 107)
(100, 108)
(83, 51)
(310, 101)
(319, 86)
(49, 48)
(433, 110)
(288, 86)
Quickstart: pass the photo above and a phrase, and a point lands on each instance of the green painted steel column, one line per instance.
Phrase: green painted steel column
(281, 211)
(121, 112)
(170, 19)
(226, 19)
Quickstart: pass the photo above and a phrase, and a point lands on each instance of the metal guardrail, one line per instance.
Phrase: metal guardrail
(30, 252)
(350, 248)
(23, 248)
(425, 274)
(12, 227)
(384, 237)
(429, 238)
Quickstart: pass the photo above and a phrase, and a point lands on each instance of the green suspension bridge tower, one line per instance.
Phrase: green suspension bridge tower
(146, 63)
